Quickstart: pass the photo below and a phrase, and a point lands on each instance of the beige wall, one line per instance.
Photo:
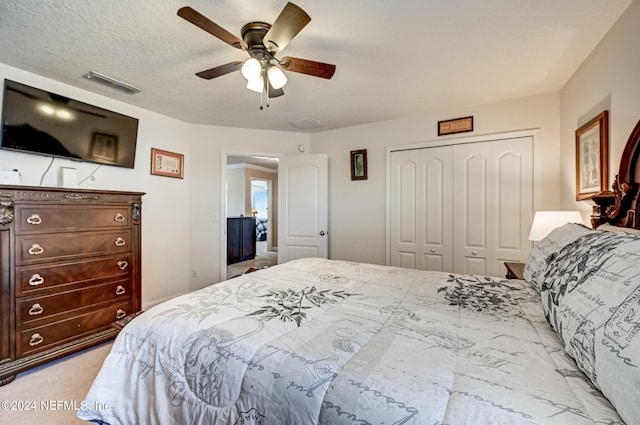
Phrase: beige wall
(182, 228)
(235, 191)
(357, 214)
(608, 79)
(239, 178)
(272, 225)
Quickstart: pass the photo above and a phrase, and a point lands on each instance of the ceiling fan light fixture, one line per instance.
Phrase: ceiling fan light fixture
(256, 84)
(276, 77)
(251, 69)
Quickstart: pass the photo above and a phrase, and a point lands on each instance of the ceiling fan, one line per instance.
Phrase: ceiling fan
(262, 41)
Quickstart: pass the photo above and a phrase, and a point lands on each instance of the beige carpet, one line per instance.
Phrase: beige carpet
(263, 258)
(51, 391)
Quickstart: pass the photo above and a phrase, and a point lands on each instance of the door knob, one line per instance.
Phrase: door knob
(322, 233)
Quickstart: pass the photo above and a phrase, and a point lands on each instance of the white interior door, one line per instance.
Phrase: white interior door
(463, 208)
(471, 208)
(303, 207)
(493, 206)
(421, 199)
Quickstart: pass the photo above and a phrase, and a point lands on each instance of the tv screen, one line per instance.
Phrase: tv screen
(37, 121)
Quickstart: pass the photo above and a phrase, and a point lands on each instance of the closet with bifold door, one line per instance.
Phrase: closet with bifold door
(464, 207)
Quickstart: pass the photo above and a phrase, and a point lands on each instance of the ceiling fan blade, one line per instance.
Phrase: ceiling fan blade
(199, 20)
(220, 70)
(304, 66)
(289, 23)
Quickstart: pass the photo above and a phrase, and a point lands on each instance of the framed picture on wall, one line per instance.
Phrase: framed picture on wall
(359, 164)
(168, 164)
(592, 157)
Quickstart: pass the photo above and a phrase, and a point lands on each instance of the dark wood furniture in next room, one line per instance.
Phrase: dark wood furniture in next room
(69, 268)
(241, 239)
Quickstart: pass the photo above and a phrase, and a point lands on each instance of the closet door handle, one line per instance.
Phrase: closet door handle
(120, 242)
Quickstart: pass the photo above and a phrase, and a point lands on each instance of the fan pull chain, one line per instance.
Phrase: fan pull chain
(262, 97)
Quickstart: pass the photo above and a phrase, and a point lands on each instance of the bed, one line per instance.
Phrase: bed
(316, 341)
(261, 229)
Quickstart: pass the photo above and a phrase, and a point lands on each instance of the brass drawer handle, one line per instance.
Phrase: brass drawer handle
(120, 290)
(36, 280)
(34, 219)
(120, 314)
(36, 249)
(35, 340)
(120, 242)
(35, 310)
(122, 264)
(119, 218)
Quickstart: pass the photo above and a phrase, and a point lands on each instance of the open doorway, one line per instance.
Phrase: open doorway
(251, 213)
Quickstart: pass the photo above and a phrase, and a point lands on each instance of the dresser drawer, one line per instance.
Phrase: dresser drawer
(33, 279)
(34, 249)
(44, 308)
(33, 340)
(67, 218)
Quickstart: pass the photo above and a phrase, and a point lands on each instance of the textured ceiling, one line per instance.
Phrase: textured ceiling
(393, 59)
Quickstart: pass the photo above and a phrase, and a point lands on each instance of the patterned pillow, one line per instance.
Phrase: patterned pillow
(590, 292)
(547, 249)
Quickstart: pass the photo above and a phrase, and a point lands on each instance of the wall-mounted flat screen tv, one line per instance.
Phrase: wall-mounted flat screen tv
(45, 123)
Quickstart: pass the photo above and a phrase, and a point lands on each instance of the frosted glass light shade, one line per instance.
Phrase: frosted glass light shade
(545, 221)
(251, 69)
(256, 84)
(276, 77)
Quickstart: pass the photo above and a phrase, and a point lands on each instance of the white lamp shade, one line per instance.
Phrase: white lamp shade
(256, 84)
(251, 69)
(276, 77)
(545, 221)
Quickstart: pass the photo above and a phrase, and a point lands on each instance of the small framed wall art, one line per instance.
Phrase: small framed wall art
(592, 157)
(359, 164)
(168, 164)
(458, 125)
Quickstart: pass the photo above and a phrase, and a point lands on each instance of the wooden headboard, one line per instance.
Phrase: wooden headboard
(620, 207)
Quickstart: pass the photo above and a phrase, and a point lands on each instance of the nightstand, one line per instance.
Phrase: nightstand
(515, 270)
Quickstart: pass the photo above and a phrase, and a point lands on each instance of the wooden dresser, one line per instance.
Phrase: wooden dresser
(69, 268)
(241, 239)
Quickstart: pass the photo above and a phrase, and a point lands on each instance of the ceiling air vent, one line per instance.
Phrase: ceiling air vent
(111, 82)
(307, 124)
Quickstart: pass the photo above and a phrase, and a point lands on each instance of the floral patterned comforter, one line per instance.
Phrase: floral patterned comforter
(318, 341)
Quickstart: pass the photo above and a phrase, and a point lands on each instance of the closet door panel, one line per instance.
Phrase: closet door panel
(463, 208)
(404, 232)
(471, 208)
(513, 200)
(436, 204)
